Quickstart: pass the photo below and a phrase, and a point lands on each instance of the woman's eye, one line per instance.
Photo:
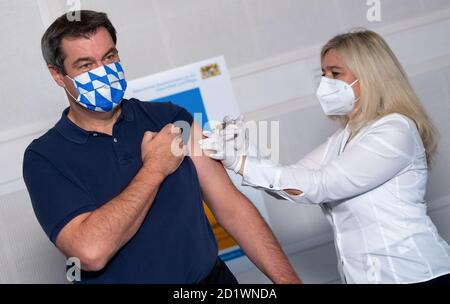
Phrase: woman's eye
(336, 74)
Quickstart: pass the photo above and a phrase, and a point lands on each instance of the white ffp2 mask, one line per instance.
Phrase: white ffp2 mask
(336, 96)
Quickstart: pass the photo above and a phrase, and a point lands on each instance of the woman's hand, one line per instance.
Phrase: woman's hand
(227, 142)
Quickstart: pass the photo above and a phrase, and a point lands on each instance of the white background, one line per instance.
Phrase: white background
(271, 48)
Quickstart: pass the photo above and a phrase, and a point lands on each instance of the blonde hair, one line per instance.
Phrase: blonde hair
(385, 88)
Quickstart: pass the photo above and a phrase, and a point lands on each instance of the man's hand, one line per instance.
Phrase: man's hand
(164, 151)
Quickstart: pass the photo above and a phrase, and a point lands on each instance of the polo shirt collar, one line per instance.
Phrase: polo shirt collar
(127, 111)
(74, 133)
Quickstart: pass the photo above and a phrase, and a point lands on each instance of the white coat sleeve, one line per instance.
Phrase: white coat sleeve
(262, 173)
(384, 151)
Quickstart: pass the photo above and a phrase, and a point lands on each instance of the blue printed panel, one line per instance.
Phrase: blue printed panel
(191, 100)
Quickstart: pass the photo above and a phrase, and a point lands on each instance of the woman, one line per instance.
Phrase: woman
(370, 176)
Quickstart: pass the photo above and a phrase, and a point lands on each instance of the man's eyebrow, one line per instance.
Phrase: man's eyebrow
(76, 62)
(81, 59)
(111, 50)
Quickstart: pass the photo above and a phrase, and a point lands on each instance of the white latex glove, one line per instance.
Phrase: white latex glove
(235, 130)
(227, 144)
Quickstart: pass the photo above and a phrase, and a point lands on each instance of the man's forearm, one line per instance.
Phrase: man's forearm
(111, 226)
(257, 240)
(149, 186)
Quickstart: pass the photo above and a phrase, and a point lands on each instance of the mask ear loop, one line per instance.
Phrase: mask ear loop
(65, 88)
(351, 85)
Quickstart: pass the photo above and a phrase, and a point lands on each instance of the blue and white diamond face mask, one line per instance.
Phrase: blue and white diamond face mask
(100, 89)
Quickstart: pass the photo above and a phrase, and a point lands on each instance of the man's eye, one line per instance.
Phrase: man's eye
(85, 66)
(111, 57)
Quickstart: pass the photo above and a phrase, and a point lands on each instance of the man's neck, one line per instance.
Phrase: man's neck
(88, 120)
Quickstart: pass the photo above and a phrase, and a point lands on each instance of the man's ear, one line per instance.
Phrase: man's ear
(57, 75)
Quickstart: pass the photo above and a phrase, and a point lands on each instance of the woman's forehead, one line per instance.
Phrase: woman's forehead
(332, 59)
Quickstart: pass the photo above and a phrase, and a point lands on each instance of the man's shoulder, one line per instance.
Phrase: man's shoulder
(46, 143)
(161, 112)
(154, 107)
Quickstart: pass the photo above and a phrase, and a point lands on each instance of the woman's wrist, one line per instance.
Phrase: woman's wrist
(241, 170)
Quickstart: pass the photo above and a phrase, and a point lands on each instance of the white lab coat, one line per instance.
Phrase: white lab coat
(372, 191)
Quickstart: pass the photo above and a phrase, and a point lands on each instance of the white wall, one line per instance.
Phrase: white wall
(271, 47)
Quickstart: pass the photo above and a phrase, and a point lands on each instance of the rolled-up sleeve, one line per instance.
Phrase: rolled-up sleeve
(383, 152)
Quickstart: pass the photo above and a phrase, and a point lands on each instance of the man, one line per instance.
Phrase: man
(110, 183)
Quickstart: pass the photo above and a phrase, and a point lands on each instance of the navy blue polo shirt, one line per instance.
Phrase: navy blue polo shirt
(69, 171)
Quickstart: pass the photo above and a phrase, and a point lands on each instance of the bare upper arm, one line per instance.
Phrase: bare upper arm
(217, 188)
